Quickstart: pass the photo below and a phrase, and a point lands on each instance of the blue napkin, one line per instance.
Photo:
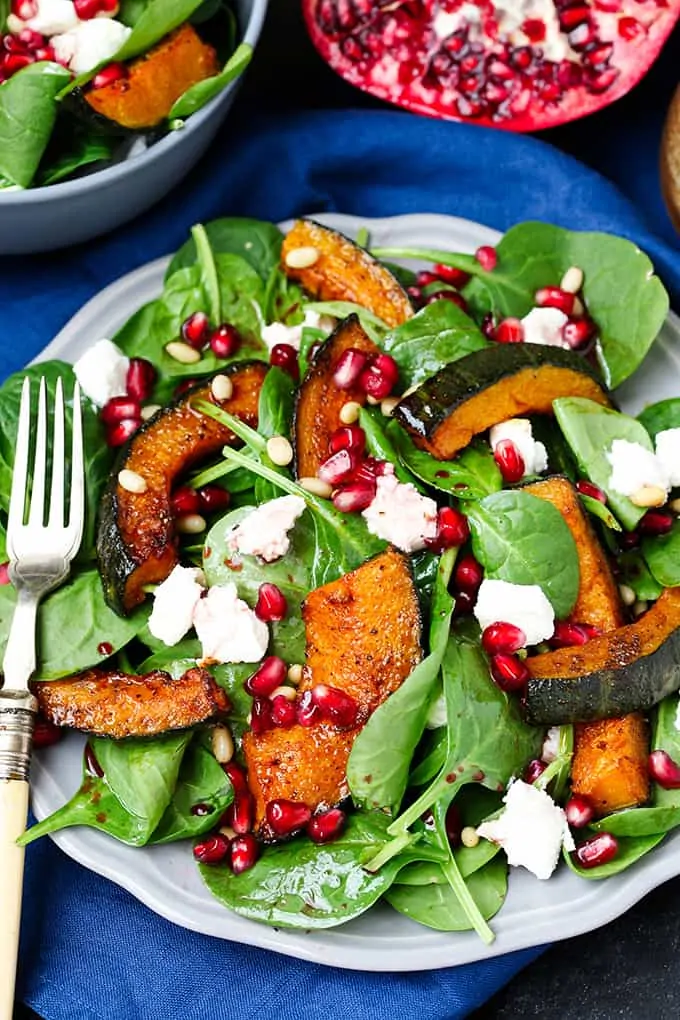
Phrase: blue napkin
(89, 950)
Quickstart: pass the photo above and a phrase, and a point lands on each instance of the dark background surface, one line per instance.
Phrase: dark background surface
(628, 969)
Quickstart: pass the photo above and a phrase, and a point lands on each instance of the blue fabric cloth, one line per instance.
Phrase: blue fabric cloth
(89, 950)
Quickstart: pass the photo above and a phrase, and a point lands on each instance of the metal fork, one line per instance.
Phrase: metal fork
(40, 555)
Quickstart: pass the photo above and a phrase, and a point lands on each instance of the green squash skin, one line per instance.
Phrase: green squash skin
(424, 410)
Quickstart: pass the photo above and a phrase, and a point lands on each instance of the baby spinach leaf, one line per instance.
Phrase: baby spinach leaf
(85, 150)
(437, 906)
(372, 324)
(202, 92)
(522, 539)
(472, 475)
(432, 751)
(590, 430)
(205, 258)
(631, 849)
(662, 556)
(380, 445)
(256, 241)
(275, 418)
(203, 783)
(28, 111)
(661, 416)
(560, 458)
(435, 336)
(634, 572)
(157, 19)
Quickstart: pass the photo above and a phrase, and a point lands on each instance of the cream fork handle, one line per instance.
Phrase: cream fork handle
(13, 813)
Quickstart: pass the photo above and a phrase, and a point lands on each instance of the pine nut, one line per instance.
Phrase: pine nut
(279, 451)
(316, 487)
(227, 831)
(222, 744)
(639, 607)
(373, 401)
(388, 405)
(222, 387)
(579, 308)
(674, 506)
(627, 594)
(649, 495)
(149, 411)
(131, 481)
(289, 693)
(190, 524)
(572, 281)
(295, 673)
(302, 258)
(349, 412)
(469, 837)
(182, 352)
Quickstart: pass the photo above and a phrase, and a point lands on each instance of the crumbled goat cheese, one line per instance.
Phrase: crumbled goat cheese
(400, 515)
(102, 372)
(174, 602)
(228, 629)
(551, 745)
(668, 454)
(518, 430)
(633, 466)
(90, 43)
(544, 326)
(523, 605)
(278, 333)
(531, 829)
(264, 532)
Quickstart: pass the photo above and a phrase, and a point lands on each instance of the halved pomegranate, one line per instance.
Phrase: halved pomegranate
(518, 64)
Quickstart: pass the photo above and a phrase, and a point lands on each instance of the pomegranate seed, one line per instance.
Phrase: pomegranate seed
(509, 331)
(87, 9)
(555, 297)
(105, 648)
(284, 712)
(534, 29)
(664, 770)
(243, 853)
(109, 75)
(24, 9)
(579, 811)
(46, 53)
(118, 434)
(241, 812)
(487, 257)
(271, 603)
(335, 705)
(326, 827)
(587, 488)
(379, 378)
(502, 637)
(261, 716)
(354, 496)
(464, 604)
(202, 810)
(488, 326)
(577, 332)
(569, 635)
(456, 277)
(534, 770)
(4, 573)
(196, 330)
(285, 817)
(237, 776)
(452, 529)
(348, 437)
(509, 672)
(370, 469)
(225, 341)
(453, 825)
(14, 62)
(448, 295)
(597, 850)
(213, 498)
(117, 409)
(416, 295)
(571, 17)
(349, 367)
(339, 467)
(140, 379)
(184, 501)
(270, 674)
(468, 574)
(630, 28)
(629, 539)
(184, 386)
(600, 82)
(212, 850)
(31, 40)
(426, 278)
(509, 460)
(285, 357)
(45, 733)
(307, 709)
(656, 522)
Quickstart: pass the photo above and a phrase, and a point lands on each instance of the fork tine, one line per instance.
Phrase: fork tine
(17, 500)
(56, 518)
(36, 515)
(77, 508)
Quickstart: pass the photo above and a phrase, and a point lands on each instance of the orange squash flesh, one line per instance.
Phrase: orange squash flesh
(345, 272)
(319, 401)
(359, 643)
(156, 81)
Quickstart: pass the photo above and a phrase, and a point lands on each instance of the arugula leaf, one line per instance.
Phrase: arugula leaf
(202, 92)
(256, 241)
(473, 474)
(435, 336)
(28, 111)
(662, 556)
(665, 414)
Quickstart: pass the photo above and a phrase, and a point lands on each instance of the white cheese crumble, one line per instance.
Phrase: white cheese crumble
(518, 430)
(51, 17)
(90, 43)
(633, 466)
(264, 532)
(400, 515)
(102, 372)
(531, 829)
(228, 629)
(278, 333)
(544, 326)
(436, 716)
(174, 602)
(668, 454)
(551, 745)
(523, 605)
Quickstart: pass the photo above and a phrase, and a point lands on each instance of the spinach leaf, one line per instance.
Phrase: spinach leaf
(28, 111)
(472, 475)
(201, 782)
(380, 445)
(560, 458)
(202, 92)
(309, 337)
(276, 406)
(157, 19)
(85, 150)
(634, 572)
(435, 336)
(590, 430)
(206, 264)
(661, 416)
(662, 556)
(380, 759)
(256, 241)
(432, 751)
(522, 539)
(631, 849)
(437, 906)
(370, 323)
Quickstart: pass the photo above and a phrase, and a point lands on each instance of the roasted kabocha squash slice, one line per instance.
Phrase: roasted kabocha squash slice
(319, 401)
(482, 389)
(358, 643)
(342, 271)
(609, 766)
(136, 542)
(155, 81)
(121, 705)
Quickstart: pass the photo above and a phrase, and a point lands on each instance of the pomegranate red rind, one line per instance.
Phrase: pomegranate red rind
(475, 60)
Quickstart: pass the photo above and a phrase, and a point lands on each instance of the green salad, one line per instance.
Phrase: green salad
(379, 591)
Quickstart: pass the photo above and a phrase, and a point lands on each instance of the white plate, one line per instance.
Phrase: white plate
(166, 878)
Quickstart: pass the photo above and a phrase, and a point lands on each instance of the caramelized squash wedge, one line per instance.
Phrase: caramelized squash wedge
(155, 81)
(136, 542)
(120, 705)
(489, 386)
(343, 271)
(357, 643)
(319, 401)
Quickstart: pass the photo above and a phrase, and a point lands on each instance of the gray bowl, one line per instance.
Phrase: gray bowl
(64, 214)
